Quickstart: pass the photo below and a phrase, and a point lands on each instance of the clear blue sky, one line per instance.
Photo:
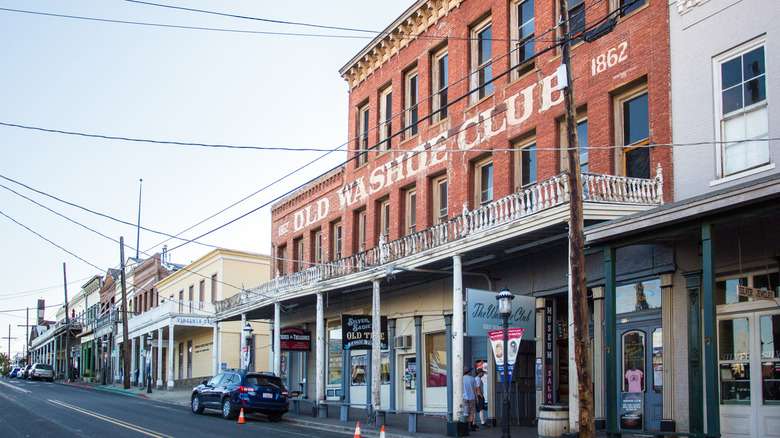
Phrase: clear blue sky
(165, 84)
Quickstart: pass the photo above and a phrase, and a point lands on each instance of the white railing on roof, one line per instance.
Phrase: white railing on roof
(525, 202)
(171, 308)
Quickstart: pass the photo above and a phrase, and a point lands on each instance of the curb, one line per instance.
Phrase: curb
(337, 428)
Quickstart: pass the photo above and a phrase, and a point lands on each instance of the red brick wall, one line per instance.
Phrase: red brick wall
(646, 49)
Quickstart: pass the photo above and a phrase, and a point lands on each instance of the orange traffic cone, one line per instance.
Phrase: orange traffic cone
(382, 433)
(241, 417)
(357, 430)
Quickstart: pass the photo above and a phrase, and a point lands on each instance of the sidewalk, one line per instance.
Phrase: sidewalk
(395, 427)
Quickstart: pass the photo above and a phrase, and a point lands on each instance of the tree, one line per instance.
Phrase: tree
(5, 364)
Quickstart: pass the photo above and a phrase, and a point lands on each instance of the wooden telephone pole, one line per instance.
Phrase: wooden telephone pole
(9, 346)
(577, 246)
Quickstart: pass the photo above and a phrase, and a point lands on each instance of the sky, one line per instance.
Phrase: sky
(165, 84)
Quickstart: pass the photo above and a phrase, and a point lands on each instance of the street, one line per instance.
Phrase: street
(42, 409)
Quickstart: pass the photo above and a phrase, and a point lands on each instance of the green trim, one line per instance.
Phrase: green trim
(695, 393)
(710, 328)
(610, 339)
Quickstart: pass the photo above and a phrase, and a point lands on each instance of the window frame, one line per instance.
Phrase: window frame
(619, 124)
(298, 248)
(436, 183)
(521, 147)
(524, 65)
(476, 81)
(281, 260)
(337, 239)
(383, 216)
(364, 126)
(410, 213)
(411, 102)
(479, 167)
(582, 118)
(316, 246)
(440, 85)
(361, 217)
(385, 118)
(720, 117)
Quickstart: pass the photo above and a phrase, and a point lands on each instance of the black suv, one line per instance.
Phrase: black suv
(231, 390)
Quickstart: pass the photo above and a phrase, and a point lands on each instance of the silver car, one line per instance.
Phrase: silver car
(41, 371)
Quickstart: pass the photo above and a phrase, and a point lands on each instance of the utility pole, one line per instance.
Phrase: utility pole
(577, 246)
(138, 235)
(67, 323)
(125, 342)
(9, 344)
(27, 337)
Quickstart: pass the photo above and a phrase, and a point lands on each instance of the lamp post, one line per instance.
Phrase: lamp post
(505, 309)
(149, 338)
(248, 340)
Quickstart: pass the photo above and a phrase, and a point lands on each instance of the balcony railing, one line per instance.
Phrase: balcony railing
(171, 308)
(528, 201)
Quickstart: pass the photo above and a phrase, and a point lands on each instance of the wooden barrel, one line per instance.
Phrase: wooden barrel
(553, 420)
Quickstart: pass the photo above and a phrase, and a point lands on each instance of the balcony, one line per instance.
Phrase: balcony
(535, 206)
(170, 309)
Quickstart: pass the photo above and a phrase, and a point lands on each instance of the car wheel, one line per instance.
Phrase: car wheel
(275, 418)
(197, 406)
(228, 412)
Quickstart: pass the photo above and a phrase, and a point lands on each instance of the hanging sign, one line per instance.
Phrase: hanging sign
(294, 339)
(356, 332)
(751, 292)
(482, 313)
(507, 357)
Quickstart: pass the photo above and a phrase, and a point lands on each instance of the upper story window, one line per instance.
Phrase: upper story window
(385, 118)
(410, 103)
(632, 128)
(440, 203)
(483, 174)
(316, 247)
(629, 6)
(384, 219)
(298, 255)
(440, 82)
(525, 163)
(523, 36)
(742, 108)
(582, 140)
(577, 22)
(281, 262)
(363, 128)
(214, 288)
(482, 60)
(337, 240)
(201, 292)
(360, 221)
(411, 211)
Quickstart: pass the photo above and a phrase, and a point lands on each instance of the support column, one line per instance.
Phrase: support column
(159, 382)
(598, 357)
(55, 365)
(171, 351)
(610, 341)
(448, 335)
(695, 390)
(391, 349)
(277, 339)
(419, 360)
(709, 317)
(304, 355)
(133, 360)
(320, 356)
(214, 349)
(667, 343)
(376, 349)
(457, 338)
(242, 361)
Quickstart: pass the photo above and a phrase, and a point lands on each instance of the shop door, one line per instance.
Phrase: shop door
(409, 368)
(749, 373)
(641, 371)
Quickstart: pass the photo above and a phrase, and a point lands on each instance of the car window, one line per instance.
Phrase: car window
(233, 379)
(216, 379)
(269, 381)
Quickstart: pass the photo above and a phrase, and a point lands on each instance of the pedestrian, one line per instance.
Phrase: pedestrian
(469, 397)
(479, 390)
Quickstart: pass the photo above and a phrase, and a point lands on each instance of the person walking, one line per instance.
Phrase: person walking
(479, 390)
(469, 397)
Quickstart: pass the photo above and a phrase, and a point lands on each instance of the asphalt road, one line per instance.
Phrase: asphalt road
(43, 409)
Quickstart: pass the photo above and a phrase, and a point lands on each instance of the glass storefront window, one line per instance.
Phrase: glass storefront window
(735, 383)
(436, 363)
(658, 360)
(384, 367)
(770, 357)
(633, 361)
(734, 355)
(638, 296)
(726, 291)
(359, 371)
(334, 355)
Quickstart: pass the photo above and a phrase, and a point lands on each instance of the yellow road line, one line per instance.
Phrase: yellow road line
(15, 387)
(124, 424)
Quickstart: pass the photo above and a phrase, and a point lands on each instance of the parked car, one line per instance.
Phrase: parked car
(41, 371)
(22, 374)
(231, 390)
(13, 372)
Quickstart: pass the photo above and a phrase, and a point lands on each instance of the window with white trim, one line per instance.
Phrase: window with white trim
(411, 210)
(483, 179)
(741, 108)
(525, 163)
(410, 103)
(363, 128)
(440, 203)
(298, 256)
(440, 84)
(632, 129)
(385, 118)
(316, 246)
(337, 240)
(582, 140)
(522, 33)
(384, 219)
(481, 60)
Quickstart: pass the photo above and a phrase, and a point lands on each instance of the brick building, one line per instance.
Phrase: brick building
(455, 179)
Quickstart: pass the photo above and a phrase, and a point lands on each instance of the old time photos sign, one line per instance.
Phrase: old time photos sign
(356, 332)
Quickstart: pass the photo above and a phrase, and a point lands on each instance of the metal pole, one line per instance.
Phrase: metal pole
(138, 235)
(505, 411)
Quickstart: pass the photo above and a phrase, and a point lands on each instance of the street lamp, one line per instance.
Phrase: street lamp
(248, 340)
(149, 338)
(505, 309)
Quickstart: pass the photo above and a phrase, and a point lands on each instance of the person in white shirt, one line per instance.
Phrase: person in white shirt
(479, 390)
